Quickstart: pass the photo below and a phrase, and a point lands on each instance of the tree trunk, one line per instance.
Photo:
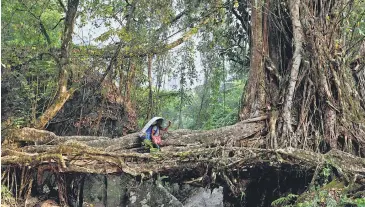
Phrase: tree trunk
(198, 122)
(63, 93)
(121, 79)
(128, 106)
(297, 57)
(150, 95)
(53, 109)
(129, 82)
(234, 135)
(182, 78)
(254, 98)
(300, 75)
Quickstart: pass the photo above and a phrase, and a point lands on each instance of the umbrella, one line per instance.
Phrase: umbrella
(151, 122)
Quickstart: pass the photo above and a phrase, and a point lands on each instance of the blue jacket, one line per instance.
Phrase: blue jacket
(149, 132)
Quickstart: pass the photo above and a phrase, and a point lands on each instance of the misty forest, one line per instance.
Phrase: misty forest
(266, 100)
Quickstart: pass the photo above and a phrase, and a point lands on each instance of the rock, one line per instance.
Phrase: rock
(206, 197)
(48, 203)
(85, 204)
(123, 190)
(150, 194)
(31, 201)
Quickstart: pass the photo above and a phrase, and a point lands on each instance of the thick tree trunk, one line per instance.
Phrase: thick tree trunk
(305, 83)
(254, 95)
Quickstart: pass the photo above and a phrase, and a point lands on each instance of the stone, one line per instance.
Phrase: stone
(124, 190)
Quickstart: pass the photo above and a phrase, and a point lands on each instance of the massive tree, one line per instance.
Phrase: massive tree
(306, 73)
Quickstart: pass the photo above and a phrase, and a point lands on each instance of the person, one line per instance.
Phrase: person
(156, 132)
(152, 135)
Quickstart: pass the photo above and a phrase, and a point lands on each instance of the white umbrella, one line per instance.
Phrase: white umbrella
(151, 122)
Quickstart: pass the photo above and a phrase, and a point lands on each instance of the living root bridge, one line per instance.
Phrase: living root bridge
(182, 149)
(192, 157)
(74, 157)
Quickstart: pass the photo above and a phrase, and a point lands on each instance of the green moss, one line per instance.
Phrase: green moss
(334, 184)
(25, 159)
(184, 154)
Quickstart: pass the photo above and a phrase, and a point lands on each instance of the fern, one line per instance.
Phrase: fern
(284, 200)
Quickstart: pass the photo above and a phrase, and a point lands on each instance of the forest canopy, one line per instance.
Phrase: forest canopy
(186, 61)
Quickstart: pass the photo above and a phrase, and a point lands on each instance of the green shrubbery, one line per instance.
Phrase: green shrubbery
(330, 194)
(7, 198)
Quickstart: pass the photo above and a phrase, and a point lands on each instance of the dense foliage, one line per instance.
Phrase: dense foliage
(194, 79)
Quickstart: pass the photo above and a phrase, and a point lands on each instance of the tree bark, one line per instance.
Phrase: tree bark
(304, 86)
(297, 58)
(254, 97)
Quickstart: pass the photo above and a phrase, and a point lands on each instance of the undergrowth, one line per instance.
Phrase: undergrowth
(331, 193)
(7, 199)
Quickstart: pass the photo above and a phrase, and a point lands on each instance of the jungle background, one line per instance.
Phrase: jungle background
(204, 96)
(230, 75)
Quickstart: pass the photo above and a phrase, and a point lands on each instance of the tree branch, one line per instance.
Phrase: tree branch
(37, 57)
(42, 27)
(239, 17)
(62, 6)
(44, 32)
(63, 18)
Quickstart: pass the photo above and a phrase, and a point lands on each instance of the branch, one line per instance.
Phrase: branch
(63, 18)
(44, 32)
(62, 6)
(110, 66)
(128, 4)
(42, 27)
(236, 61)
(137, 52)
(182, 39)
(37, 57)
(176, 18)
(239, 17)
